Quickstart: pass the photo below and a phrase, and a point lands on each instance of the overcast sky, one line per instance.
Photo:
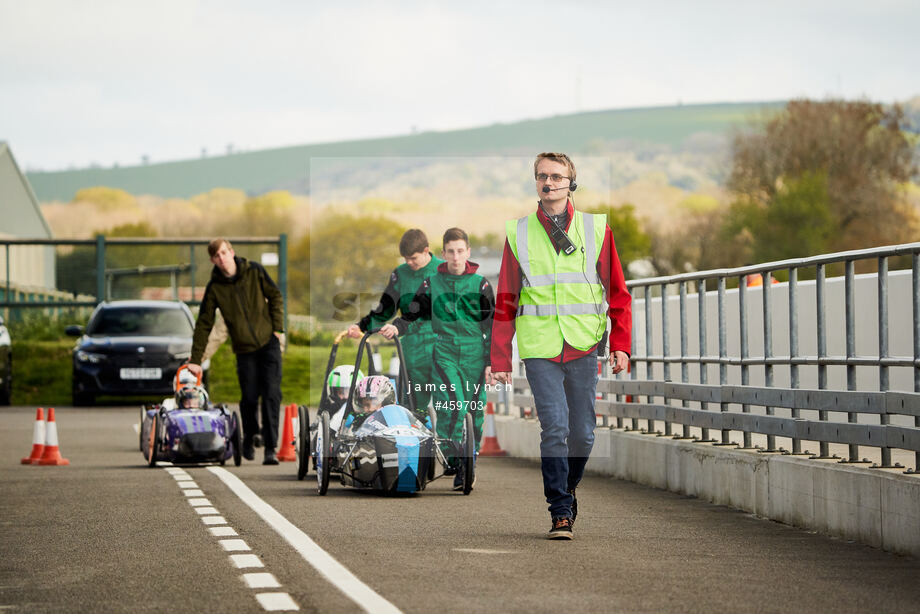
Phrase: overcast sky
(110, 81)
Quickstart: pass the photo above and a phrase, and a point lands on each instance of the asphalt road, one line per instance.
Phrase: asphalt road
(109, 534)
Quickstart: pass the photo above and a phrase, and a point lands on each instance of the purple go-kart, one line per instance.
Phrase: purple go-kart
(187, 428)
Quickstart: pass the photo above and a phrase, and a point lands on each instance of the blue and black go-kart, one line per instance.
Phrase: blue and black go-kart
(392, 451)
(204, 434)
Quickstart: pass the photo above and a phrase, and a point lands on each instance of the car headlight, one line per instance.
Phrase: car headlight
(90, 357)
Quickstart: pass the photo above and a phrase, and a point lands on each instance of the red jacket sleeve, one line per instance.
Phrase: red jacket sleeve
(618, 298)
(506, 304)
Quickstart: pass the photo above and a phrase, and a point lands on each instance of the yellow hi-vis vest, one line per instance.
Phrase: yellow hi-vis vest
(562, 297)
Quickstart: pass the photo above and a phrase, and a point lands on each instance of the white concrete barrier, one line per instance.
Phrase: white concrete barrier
(878, 507)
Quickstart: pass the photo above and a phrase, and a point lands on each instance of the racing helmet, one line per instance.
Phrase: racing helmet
(339, 381)
(191, 397)
(374, 392)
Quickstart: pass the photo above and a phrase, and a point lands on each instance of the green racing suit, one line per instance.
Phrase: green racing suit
(419, 338)
(460, 309)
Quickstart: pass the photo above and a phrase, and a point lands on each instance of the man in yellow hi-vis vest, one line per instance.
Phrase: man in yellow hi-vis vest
(560, 280)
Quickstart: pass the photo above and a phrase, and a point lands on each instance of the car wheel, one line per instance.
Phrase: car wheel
(82, 399)
(237, 440)
(303, 442)
(154, 444)
(323, 458)
(468, 443)
(6, 392)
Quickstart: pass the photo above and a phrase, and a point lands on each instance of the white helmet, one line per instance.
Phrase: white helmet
(191, 397)
(339, 381)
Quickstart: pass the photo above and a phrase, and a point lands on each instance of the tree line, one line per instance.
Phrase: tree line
(814, 177)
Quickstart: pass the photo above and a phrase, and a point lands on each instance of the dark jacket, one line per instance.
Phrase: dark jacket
(251, 304)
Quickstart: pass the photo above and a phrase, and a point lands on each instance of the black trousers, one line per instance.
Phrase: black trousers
(259, 374)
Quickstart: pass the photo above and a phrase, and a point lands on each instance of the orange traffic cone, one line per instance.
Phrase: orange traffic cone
(490, 445)
(287, 452)
(38, 439)
(52, 455)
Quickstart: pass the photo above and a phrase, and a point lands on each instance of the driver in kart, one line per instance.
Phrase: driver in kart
(191, 397)
(371, 393)
(337, 385)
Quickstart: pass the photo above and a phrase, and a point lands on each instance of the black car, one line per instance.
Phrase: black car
(6, 365)
(131, 348)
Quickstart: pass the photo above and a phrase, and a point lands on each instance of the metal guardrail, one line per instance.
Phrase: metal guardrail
(716, 406)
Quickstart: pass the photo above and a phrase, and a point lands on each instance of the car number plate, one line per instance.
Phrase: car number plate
(141, 373)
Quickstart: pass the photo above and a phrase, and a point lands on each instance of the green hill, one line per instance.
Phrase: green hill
(288, 168)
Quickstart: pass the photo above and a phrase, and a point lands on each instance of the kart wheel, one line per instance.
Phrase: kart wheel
(303, 442)
(153, 446)
(237, 441)
(468, 443)
(323, 448)
(140, 428)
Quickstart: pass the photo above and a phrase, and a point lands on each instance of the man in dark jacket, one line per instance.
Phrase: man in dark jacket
(252, 307)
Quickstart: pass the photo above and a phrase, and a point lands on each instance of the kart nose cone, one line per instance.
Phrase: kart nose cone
(202, 445)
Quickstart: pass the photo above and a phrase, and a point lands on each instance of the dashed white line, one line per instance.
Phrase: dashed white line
(271, 602)
(260, 580)
(234, 545)
(213, 520)
(276, 602)
(244, 561)
(322, 561)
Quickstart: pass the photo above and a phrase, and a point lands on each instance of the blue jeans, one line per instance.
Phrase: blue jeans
(564, 394)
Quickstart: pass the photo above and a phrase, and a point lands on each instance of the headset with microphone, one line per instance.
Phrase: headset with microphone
(571, 188)
(559, 235)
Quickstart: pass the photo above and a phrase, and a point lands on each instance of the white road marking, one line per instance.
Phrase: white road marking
(276, 602)
(322, 561)
(242, 561)
(484, 551)
(234, 545)
(213, 520)
(137, 428)
(271, 602)
(261, 580)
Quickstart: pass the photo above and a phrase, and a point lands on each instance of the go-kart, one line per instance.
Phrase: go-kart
(390, 451)
(202, 435)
